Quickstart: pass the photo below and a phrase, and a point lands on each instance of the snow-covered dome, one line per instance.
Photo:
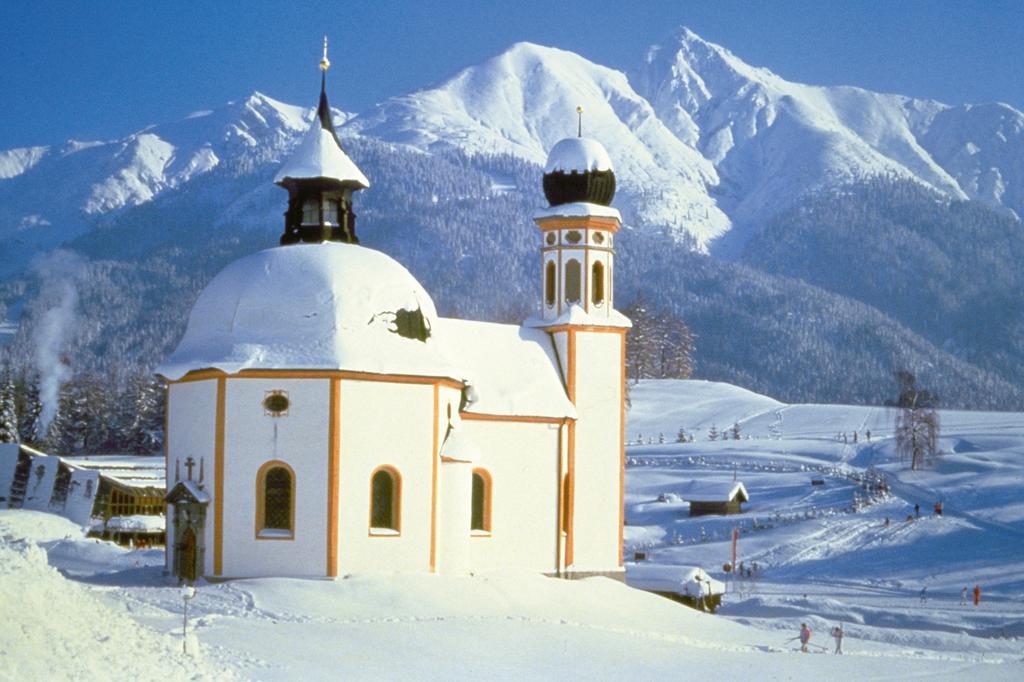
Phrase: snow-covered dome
(579, 170)
(312, 306)
(579, 154)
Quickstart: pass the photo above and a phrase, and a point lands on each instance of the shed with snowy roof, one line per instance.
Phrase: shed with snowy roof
(714, 497)
(322, 418)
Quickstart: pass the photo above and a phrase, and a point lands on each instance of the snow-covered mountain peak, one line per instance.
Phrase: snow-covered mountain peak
(523, 100)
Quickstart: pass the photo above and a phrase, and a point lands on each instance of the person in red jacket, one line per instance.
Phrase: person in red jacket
(805, 637)
(977, 594)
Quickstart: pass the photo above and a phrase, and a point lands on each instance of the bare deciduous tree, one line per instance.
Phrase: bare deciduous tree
(917, 421)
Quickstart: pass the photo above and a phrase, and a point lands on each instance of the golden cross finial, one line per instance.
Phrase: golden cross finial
(579, 123)
(325, 63)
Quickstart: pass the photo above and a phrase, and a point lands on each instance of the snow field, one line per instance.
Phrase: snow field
(818, 557)
(77, 608)
(59, 629)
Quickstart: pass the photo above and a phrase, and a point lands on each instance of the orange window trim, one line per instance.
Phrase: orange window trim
(167, 472)
(560, 503)
(218, 483)
(570, 498)
(484, 417)
(333, 476)
(204, 374)
(261, 487)
(485, 476)
(577, 223)
(396, 500)
(585, 328)
(434, 454)
(622, 444)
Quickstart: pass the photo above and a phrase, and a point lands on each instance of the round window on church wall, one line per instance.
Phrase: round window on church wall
(551, 238)
(598, 238)
(276, 403)
(573, 236)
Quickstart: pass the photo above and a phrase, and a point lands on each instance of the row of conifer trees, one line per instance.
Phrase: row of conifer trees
(120, 412)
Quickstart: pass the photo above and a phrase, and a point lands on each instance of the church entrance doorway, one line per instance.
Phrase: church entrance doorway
(188, 501)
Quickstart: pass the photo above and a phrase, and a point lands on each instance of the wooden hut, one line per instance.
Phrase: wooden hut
(715, 497)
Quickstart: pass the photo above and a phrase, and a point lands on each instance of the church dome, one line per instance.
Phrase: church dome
(312, 306)
(579, 170)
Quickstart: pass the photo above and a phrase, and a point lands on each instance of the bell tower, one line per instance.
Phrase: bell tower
(320, 179)
(577, 232)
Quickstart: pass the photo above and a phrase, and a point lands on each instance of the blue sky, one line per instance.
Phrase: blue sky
(95, 70)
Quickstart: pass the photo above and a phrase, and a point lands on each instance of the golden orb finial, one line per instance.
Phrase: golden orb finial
(325, 63)
(579, 123)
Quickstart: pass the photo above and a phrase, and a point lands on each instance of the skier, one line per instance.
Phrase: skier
(924, 597)
(938, 508)
(837, 632)
(963, 596)
(977, 594)
(917, 511)
(805, 637)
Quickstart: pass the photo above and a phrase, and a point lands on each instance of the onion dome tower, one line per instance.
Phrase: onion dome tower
(320, 179)
(578, 231)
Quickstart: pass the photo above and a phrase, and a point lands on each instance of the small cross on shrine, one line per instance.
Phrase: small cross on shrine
(189, 463)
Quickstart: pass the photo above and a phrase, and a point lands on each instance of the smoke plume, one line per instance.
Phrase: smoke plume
(58, 273)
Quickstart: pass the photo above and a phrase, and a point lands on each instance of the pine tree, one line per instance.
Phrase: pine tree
(28, 409)
(8, 410)
(735, 431)
(145, 432)
(713, 433)
(681, 435)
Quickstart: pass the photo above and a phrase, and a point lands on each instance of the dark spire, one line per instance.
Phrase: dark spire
(323, 112)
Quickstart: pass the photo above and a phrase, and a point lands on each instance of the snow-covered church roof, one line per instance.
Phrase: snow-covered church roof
(578, 154)
(312, 306)
(337, 306)
(511, 370)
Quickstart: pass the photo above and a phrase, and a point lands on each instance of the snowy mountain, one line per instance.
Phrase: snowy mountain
(703, 143)
(524, 100)
(95, 179)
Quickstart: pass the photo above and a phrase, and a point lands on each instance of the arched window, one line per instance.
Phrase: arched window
(480, 519)
(597, 277)
(385, 500)
(572, 281)
(275, 501)
(549, 283)
(311, 212)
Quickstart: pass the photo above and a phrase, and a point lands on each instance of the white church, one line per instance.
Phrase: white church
(322, 419)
